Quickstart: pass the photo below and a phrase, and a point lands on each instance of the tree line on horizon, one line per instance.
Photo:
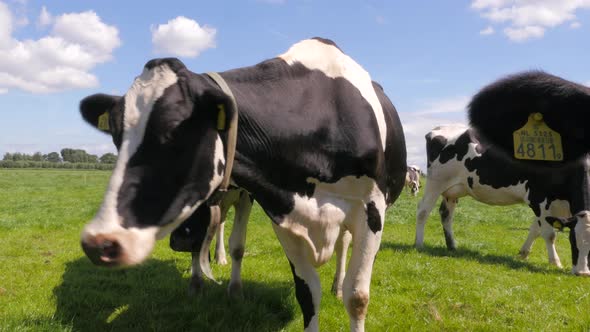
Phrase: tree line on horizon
(67, 158)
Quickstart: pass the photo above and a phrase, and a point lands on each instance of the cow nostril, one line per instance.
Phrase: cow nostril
(110, 250)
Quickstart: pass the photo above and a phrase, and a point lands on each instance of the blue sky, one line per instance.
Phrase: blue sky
(430, 56)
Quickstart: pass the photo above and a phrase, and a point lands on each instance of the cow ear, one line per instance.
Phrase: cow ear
(221, 107)
(96, 110)
(560, 223)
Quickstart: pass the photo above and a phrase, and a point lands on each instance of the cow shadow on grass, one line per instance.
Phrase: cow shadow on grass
(153, 297)
(511, 262)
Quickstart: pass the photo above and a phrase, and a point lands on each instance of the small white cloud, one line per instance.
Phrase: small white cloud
(487, 31)
(381, 20)
(529, 19)
(59, 61)
(524, 33)
(575, 25)
(3, 91)
(182, 37)
(45, 17)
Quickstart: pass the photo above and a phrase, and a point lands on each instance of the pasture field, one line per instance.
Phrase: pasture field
(46, 284)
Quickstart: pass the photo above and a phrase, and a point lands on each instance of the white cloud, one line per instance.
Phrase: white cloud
(587, 83)
(524, 33)
(182, 37)
(45, 17)
(527, 19)
(59, 61)
(434, 113)
(3, 91)
(575, 25)
(487, 31)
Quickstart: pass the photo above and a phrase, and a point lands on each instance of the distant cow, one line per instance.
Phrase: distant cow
(413, 179)
(319, 146)
(502, 108)
(460, 164)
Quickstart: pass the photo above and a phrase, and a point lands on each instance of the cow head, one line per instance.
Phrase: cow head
(579, 226)
(168, 131)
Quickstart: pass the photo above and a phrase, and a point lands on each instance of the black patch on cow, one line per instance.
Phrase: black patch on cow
(373, 218)
(434, 146)
(443, 211)
(539, 222)
(470, 182)
(304, 297)
(174, 64)
(220, 167)
(457, 150)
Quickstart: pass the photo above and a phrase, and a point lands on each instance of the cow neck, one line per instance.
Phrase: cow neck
(232, 134)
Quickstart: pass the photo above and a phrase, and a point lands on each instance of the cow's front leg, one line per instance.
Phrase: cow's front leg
(548, 234)
(220, 256)
(196, 282)
(366, 236)
(307, 281)
(534, 232)
(237, 242)
(341, 249)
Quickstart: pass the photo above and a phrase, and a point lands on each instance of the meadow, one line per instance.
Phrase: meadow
(47, 284)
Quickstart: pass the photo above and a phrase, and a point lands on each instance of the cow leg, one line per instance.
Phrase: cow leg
(307, 281)
(341, 248)
(446, 211)
(424, 208)
(366, 236)
(196, 282)
(534, 232)
(548, 234)
(237, 241)
(219, 246)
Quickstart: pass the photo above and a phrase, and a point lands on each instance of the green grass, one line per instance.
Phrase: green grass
(46, 284)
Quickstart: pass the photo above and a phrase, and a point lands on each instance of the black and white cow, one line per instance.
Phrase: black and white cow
(413, 179)
(319, 147)
(503, 107)
(460, 164)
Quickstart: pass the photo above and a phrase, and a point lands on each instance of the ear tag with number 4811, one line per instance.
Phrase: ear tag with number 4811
(536, 141)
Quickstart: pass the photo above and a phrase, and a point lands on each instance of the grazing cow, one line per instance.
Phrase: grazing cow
(460, 164)
(413, 179)
(555, 174)
(319, 147)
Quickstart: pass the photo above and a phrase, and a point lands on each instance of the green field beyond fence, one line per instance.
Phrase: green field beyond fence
(46, 283)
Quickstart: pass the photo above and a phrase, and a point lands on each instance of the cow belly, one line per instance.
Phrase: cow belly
(316, 220)
(499, 196)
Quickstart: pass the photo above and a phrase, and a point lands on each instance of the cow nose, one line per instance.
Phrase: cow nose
(102, 251)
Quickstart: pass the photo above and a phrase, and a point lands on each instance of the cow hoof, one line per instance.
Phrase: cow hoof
(583, 274)
(523, 255)
(235, 290)
(337, 292)
(221, 260)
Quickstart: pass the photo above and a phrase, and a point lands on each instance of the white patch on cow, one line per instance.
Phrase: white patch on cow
(582, 230)
(318, 219)
(315, 55)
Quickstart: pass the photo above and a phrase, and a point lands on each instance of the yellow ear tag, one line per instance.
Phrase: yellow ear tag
(536, 141)
(221, 117)
(103, 122)
(557, 225)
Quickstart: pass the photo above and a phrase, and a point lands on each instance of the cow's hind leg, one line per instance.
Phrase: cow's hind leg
(423, 211)
(366, 236)
(447, 211)
(534, 232)
(341, 252)
(237, 242)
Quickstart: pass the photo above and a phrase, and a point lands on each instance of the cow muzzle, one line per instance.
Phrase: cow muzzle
(121, 248)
